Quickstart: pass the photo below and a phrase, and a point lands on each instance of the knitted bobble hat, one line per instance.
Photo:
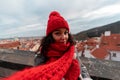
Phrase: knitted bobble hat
(56, 21)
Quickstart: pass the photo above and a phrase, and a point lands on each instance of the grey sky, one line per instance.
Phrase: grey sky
(29, 17)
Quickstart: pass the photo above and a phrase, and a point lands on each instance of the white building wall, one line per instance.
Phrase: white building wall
(113, 57)
(107, 57)
(88, 54)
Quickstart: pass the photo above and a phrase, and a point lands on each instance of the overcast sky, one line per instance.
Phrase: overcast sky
(20, 18)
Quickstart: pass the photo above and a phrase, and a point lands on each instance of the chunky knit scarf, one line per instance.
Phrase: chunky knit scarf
(60, 64)
(56, 50)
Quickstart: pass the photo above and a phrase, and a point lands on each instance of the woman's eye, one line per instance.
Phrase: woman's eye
(57, 33)
(66, 32)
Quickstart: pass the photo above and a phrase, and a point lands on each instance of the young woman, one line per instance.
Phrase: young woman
(56, 60)
(57, 42)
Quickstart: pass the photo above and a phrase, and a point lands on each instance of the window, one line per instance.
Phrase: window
(114, 54)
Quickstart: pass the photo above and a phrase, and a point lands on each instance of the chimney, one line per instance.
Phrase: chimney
(107, 33)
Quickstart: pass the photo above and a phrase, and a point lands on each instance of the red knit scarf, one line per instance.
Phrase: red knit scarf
(56, 50)
(62, 66)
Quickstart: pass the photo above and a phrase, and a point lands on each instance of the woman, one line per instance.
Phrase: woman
(57, 52)
(57, 33)
(57, 42)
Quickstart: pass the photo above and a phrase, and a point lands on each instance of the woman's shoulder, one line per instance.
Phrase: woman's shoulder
(39, 59)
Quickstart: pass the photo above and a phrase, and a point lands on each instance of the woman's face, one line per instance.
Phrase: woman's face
(60, 35)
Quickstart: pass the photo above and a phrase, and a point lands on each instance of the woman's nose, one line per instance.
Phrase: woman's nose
(63, 36)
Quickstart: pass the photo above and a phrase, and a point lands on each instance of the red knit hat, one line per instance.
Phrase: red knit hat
(56, 21)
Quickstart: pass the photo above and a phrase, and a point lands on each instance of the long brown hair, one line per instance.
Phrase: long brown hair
(47, 40)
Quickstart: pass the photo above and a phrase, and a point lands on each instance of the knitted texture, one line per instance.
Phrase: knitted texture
(55, 51)
(52, 71)
(56, 21)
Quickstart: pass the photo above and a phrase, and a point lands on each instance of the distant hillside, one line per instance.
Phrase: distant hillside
(113, 27)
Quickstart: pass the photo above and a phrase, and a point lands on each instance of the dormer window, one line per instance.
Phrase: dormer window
(118, 45)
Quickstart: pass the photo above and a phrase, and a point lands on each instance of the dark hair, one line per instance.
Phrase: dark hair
(47, 40)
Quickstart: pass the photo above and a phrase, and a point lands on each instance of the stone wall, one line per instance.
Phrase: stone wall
(14, 60)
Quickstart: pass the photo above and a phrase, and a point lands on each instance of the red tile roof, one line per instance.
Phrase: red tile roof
(91, 42)
(100, 53)
(10, 45)
(111, 42)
